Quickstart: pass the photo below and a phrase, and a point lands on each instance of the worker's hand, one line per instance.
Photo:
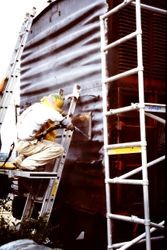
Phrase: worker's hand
(63, 113)
(70, 126)
(67, 124)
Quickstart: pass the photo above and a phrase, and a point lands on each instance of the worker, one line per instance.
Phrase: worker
(33, 152)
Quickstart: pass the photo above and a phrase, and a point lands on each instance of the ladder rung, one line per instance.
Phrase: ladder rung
(117, 8)
(133, 219)
(123, 74)
(154, 107)
(29, 174)
(127, 181)
(133, 106)
(121, 40)
(40, 175)
(125, 148)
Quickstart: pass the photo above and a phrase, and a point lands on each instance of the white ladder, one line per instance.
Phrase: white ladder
(54, 176)
(129, 147)
(14, 66)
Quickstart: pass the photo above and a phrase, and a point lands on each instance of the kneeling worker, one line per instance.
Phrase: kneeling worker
(34, 153)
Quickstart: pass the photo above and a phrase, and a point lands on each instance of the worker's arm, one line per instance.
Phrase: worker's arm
(63, 124)
(68, 125)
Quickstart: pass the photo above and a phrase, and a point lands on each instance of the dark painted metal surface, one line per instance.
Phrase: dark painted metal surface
(63, 49)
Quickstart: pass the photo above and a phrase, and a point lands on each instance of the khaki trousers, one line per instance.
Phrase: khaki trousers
(38, 153)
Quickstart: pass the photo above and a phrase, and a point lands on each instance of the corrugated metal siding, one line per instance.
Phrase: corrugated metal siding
(154, 41)
(63, 49)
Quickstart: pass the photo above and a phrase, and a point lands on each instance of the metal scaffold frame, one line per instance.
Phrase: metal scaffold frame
(129, 147)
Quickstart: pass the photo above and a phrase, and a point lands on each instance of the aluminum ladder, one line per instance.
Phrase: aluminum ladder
(54, 177)
(129, 147)
(14, 65)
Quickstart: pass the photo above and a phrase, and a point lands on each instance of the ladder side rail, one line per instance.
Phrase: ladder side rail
(105, 129)
(23, 35)
(25, 28)
(53, 186)
(13, 70)
(30, 202)
(18, 52)
(65, 143)
(51, 192)
(15, 52)
(7, 94)
(142, 125)
(6, 98)
(67, 133)
(28, 207)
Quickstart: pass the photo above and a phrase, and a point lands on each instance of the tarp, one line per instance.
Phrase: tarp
(24, 244)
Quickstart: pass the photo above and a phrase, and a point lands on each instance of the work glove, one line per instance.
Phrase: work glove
(70, 126)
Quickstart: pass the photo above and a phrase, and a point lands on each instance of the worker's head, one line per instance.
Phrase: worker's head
(54, 101)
